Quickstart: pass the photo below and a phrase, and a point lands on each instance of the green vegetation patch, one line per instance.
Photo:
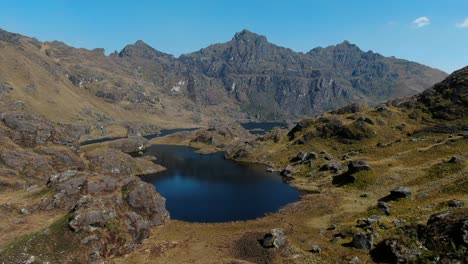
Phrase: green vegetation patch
(457, 187)
(364, 180)
(50, 244)
(438, 171)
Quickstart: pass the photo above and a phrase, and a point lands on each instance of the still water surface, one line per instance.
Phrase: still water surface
(208, 188)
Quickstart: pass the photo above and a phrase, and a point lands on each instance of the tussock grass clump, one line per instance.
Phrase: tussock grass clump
(364, 180)
(437, 172)
(458, 187)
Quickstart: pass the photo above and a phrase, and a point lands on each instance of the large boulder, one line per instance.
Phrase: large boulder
(363, 241)
(357, 166)
(274, 239)
(400, 192)
(394, 251)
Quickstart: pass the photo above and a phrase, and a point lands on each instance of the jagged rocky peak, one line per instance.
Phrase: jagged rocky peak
(249, 37)
(344, 46)
(142, 50)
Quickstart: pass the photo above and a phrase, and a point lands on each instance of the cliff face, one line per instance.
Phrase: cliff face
(245, 77)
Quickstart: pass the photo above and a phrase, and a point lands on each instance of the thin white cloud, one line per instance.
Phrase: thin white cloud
(421, 22)
(463, 24)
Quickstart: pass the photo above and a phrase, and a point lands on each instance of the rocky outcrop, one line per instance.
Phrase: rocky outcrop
(355, 166)
(116, 163)
(447, 231)
(116, 211)
(29, 130)
(28, 163)
(129, 145)
(394, 251)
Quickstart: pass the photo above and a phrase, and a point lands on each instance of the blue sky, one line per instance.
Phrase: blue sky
(432, 32)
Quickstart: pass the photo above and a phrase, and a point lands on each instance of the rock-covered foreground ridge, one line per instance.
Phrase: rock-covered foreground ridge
(101, 207)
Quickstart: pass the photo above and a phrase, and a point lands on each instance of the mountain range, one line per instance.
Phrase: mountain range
(244, 78)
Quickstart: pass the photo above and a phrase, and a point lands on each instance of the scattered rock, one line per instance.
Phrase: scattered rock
(94, 256)
(32, 187)
(336, 239)
(270, 169)
(274, 239)
(355, 260)
(313, 155)
(334, 167)
(455, 159)
(383, 208)
(357, 166)
(316, 249)
(455, 203)
(363, 241)
(398, 221)
(393, 251)
(422, 195)
(24, 211)
(287, 170)
(400, 192)
(373, 219)
(302, 156)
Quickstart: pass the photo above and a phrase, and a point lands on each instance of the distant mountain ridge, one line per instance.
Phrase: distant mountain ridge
(246, 77)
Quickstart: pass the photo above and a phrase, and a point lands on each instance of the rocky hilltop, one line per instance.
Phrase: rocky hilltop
(247, 77)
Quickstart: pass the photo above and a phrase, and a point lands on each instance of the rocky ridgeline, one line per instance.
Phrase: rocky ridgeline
(107, 206)
(248, 75)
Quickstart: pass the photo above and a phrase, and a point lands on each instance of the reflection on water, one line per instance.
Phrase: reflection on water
(208, 188)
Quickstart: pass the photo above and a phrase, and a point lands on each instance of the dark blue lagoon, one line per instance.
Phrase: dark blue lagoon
(259, 128)
(208, 188)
